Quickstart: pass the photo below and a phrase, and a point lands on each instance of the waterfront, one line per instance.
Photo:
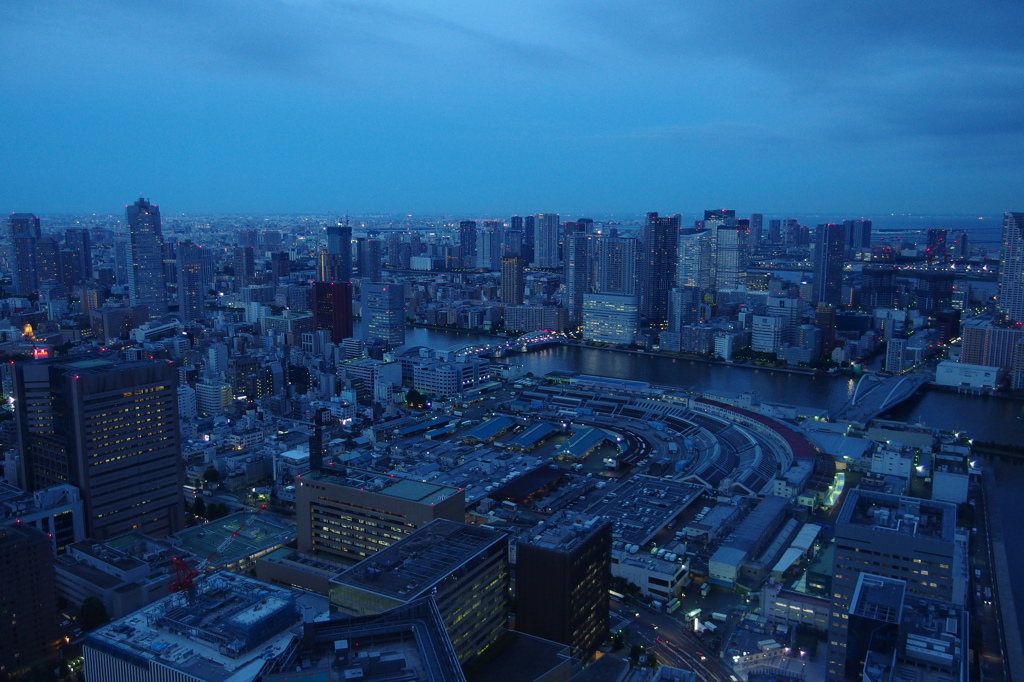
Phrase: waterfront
(981, 417)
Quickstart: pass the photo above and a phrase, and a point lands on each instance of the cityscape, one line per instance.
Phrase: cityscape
(617, 448)
(549, 342)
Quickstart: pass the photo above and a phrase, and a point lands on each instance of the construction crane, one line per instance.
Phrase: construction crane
(185, 575)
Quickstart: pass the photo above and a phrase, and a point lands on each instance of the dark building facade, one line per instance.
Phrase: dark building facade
(110, 429)
(828, 264)
(28, 599)
(146, 251)
(24, 233)
(659, 241)
(562, 580)
(332, 309)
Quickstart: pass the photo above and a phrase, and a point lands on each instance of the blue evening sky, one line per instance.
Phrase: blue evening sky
(576, 106)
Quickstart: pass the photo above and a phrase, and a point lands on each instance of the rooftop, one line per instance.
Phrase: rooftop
(563, 531)
(894, 513)
(878, 598)
(260, 534)
(231, 626)
(383, 484)
(414, 564)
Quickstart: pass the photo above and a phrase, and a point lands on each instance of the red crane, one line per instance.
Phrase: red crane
(185, 575)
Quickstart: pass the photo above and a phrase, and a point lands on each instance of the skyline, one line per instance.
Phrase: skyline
(386, 108)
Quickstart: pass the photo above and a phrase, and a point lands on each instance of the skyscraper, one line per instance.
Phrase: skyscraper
(338, 260)
(244, 261)
(936, 250)
(731, 255)
(80, 241)
(146, 252)
(192, 284)
(617, 265)
(829, 242)
(332, 309)
(546, 240)
(28, 599)
(858, 234)
(467, 243)
(659, 242)
(756, 226)
(110, 429)
(24, 233)
(512, 281)
(384, 311)
(368, 254)
(693, 268)
(577, 275)
(47, 258)
(1011, 270)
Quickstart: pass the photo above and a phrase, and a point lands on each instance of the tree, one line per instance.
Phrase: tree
(415, 399)
(211, 475)
(217, 510)
(93, 614)
(199, 507)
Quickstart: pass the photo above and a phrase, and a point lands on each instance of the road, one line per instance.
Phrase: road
(672, 642)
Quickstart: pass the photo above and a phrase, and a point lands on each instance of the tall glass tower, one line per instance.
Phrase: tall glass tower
(1011, 269)
(146, 242)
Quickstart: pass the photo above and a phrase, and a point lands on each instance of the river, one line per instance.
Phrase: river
(981, 417)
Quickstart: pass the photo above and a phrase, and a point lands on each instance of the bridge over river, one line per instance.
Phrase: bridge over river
(874, 394)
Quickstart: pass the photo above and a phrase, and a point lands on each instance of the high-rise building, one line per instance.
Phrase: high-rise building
(1011, 269)
(529, 238)
(959, 249)
(111, 430)
(684, 307)
(47, 258)
(858, 234)
(368, 258)
(24, 233)
(349, 514)
(731, 255)
(467, 243)
(693, 268)
(384, 312)
(563, 574)
(80, 241)
(488, 245)
(512, 281)
(894, 537)
(548, 231)
(825, 321)
(332, 309)
(28, 599)
(192, 284)
(244, 263)
(659, 243)
(756, 227)
(828, 264)
(339, 252)
(936, 249)
(577, 275)
(610, 318)
(146, 252)
(617, 259)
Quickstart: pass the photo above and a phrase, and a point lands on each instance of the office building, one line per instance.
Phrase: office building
(339, 247)
(332, 308)
(146, 284)
(693, 268)
(111, 430)
(512, 281)
(857, 234)
(350, 514)
(617, 259)
(463, 568)
(756, 228)
(659, 242)
(684, 307)
(610, 318)
(368, 258)
(28, 599)
(192, 283)
(828, 264)
(467, 244)
(488, 246)
(893, 537)
(548, 232)
(80, 242)
(731, 255)
(563, 574)
(47, 259)
(535, 318)
(25, 231)
(384, 312)
(1010, 301)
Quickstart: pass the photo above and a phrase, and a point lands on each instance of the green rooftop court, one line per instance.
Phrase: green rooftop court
(261, 536)
(384, 484)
